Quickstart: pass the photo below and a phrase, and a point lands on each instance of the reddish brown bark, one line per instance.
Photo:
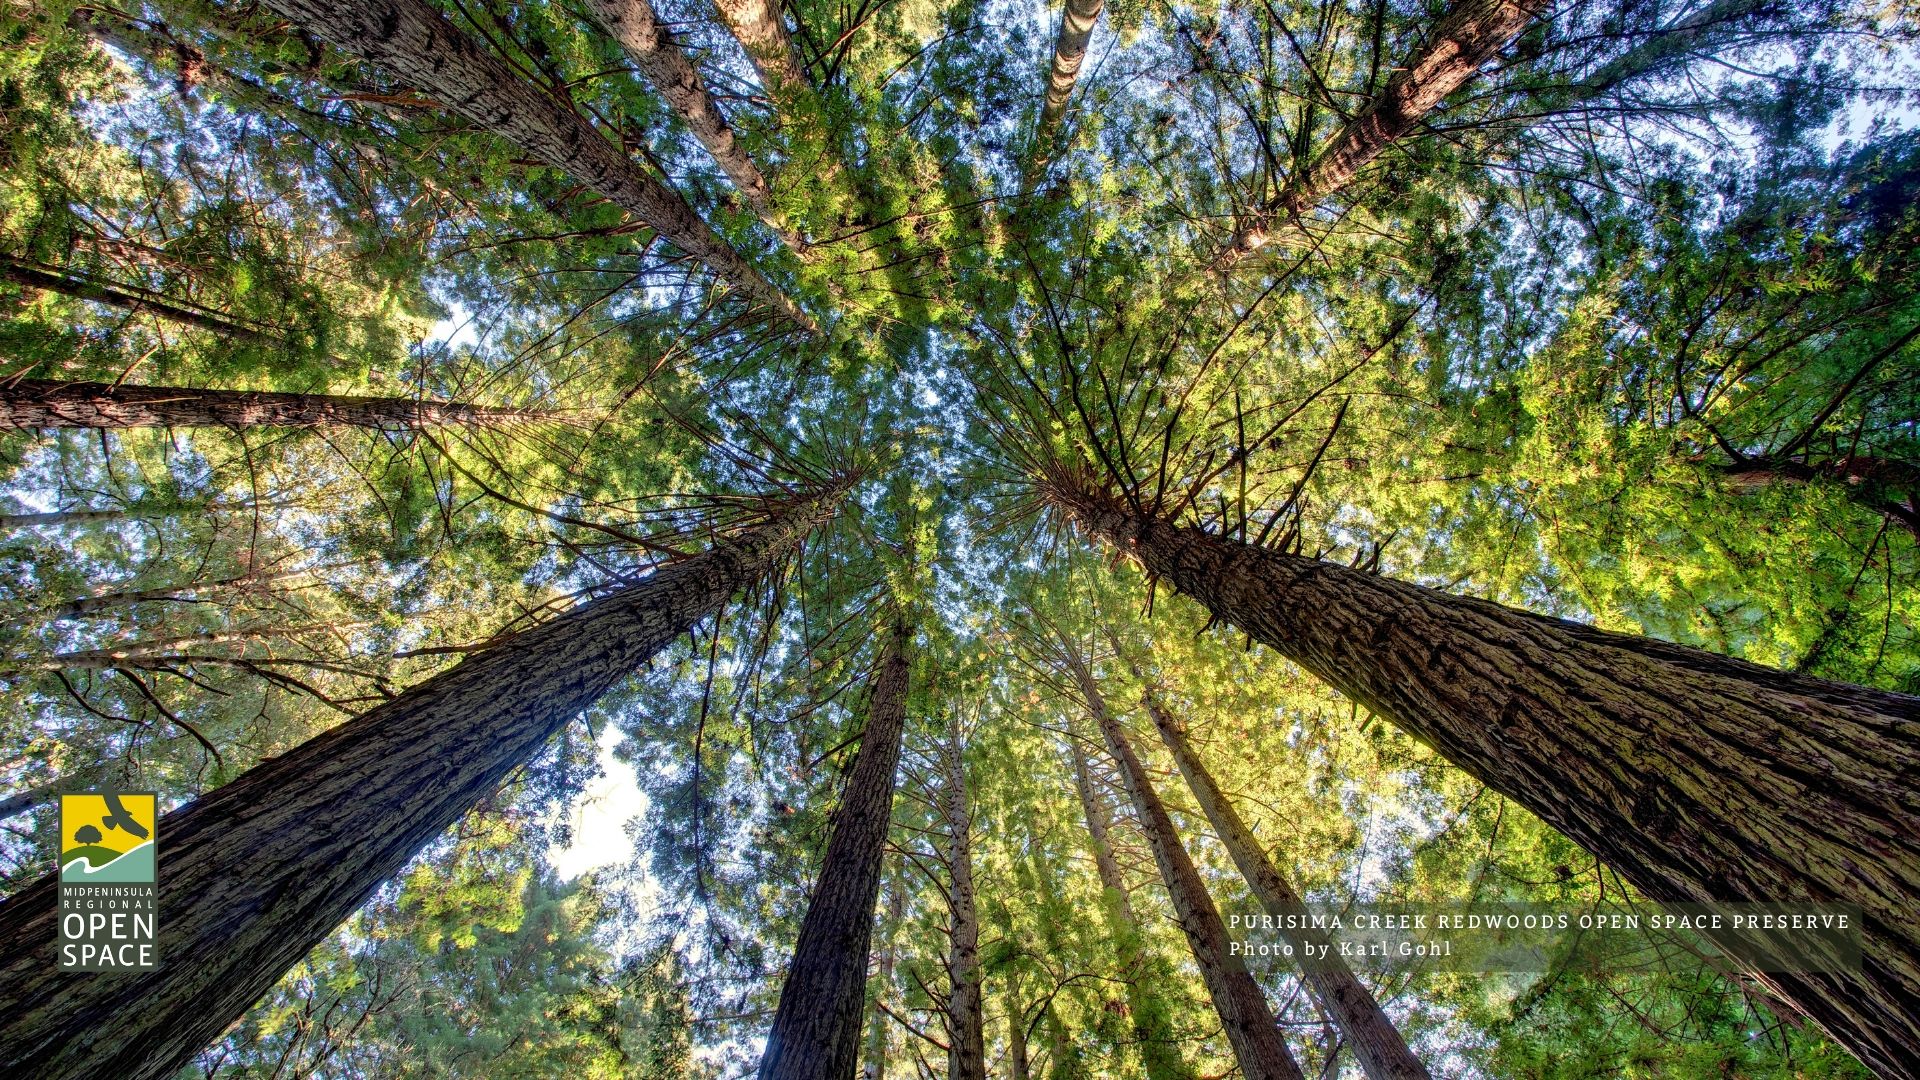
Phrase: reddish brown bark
(45, 403)
(1697, 777)
(816, 1028)
(255, 873)
(414, 40)
(1470, 33)
(1369, 1033)
(1257, 1042)
(635, 25)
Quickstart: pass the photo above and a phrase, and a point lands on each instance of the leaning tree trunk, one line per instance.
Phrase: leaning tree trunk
(1158, 1053)
(1698, 777)
(1257, 1042)
(1374, 1040)
(966, 1030)
(637, 27)
(1069, 53)
(256, 873)
(816, 1029)
(1465, 38)
(44, 403)
(414, 40)
(131, 298)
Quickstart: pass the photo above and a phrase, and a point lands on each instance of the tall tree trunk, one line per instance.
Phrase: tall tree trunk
(816, 1029)
(1698, 777)
(760, 29)
(1019, 1067)
(1158, 1053)
(147, 651)
(1069, 52)
(1470, 33)
(636, 26)
(1375, 1042)
(1885, 487)
(84, 517)
(44, 403)
(875, 1066)
(966, 1030)
(108, 598)
(1256, 1039)
(255, 873)
(131, 298)
(412, 39)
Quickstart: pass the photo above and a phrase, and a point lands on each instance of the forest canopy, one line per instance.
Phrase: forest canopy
(656, 538)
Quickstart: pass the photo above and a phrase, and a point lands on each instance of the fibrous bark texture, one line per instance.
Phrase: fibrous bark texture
(966, 1029)
(1250, 1028)
(1698, 777)
(635, 25)
(254, 874)
(414, 41)
(45, 403)
(757, 25)
(1373, 1038)
(816, 1029)
(1463, 40)
(1069, 53)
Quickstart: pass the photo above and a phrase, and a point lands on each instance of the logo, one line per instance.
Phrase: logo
(109, 881)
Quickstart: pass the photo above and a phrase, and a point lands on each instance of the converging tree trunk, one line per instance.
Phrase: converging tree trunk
(637, 27)
(255, 873)
(1470, 33)
(131, 298)
(44, 403)
(1257, 1042)
(966, 1031)
(816, 1028)
(1698, 777)
(414, 40)
(1373, 1038)
(1077, 21)
(1158, 1052)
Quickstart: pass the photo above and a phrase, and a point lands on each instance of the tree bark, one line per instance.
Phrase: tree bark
(1698, 777)
(131, 298)
(1018, 1065)
(191, 592)
(1257, 1042)
(875, 1066)
(634, 24)
(1069, 52)
(759, 28)
(1886, 487)
(254, 874)
(45, 403)
(414, 41)
(1373, 1038)
(816, 1028)
(966, 1030)
(1470, 33)
(1158, 1053)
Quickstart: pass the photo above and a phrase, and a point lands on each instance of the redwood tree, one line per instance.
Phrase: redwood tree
(415, 41)
(1257, 1042)
(815, 1033)
(1697, 777)
(258, 871)
(46, 403)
